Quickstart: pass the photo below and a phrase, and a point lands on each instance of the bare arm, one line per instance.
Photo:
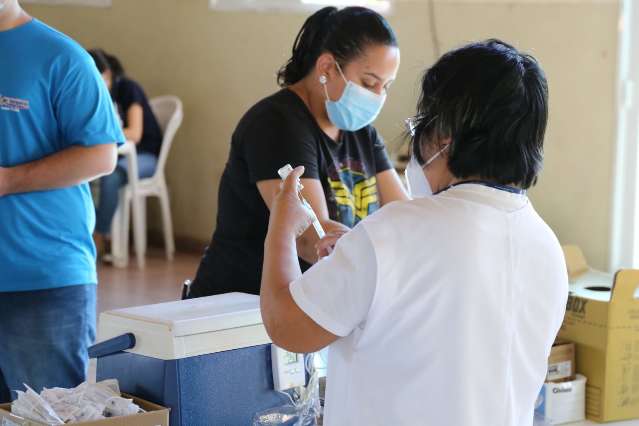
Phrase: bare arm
(135, 123)
(68, 167)
(287, 325)
(390, 187)
(314, 194)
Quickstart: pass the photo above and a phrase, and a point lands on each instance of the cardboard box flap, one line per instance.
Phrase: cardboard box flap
(584, 281)
(626, 286)
(575, 262)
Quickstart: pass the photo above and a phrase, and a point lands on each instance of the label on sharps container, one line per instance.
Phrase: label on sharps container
(559, 370)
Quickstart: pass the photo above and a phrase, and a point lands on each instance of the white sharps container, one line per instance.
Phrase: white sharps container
(207, 359)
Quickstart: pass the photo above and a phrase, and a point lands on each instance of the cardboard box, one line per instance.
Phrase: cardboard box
(602, 319)
(562, 402)
(561, 362)
(155, 415)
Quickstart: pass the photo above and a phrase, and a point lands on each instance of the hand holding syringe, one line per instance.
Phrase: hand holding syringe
(284, 172)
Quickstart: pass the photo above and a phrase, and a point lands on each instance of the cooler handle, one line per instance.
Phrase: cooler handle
(112, 346)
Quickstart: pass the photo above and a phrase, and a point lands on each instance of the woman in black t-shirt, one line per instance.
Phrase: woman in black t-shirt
(139, 125)
(333, 87)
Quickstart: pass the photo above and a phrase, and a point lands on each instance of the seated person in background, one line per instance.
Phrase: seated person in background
(440, 311)
(140, 127)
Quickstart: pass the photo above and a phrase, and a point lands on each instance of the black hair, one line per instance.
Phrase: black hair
(105, 61)
(116, 66)
(492, 102)
(100, 59)
(345, 33)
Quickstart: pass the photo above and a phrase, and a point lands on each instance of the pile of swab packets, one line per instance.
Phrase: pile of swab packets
(86, 402)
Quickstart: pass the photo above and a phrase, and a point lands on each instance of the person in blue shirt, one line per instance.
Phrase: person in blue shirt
(58, 130)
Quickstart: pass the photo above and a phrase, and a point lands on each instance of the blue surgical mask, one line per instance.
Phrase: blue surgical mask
(356, 108)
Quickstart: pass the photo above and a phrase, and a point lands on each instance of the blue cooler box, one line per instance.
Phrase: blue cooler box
(207, 359)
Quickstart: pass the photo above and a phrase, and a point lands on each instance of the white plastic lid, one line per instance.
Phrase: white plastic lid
(196, 316)
(185, 328)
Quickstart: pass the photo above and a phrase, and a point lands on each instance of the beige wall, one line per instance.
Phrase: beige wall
(220, 63)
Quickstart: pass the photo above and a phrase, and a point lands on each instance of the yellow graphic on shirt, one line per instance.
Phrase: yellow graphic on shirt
(359, 202)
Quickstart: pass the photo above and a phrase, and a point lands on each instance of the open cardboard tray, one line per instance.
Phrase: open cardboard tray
(155, 415)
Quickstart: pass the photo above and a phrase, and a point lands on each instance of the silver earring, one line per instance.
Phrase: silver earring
(323, 79)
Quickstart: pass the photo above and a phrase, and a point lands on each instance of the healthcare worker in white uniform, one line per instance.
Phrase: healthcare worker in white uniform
(440, 310)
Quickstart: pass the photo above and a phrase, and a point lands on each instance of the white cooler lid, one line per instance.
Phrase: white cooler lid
(189, 327)
(195, 316)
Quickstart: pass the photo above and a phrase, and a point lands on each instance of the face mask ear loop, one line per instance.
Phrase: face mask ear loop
(434, 157)
(413, 128)
(323, 80)
(340, 72)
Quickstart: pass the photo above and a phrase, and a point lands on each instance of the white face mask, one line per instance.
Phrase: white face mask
(416, 180)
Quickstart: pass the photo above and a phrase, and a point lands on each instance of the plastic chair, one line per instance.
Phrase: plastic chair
(168, 111)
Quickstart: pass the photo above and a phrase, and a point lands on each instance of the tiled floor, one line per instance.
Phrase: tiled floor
(159, 281)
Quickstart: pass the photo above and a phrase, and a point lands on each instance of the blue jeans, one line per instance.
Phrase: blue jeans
(110, 187)
(44, 337)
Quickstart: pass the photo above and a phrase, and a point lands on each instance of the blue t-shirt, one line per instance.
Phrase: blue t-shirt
(51, 98)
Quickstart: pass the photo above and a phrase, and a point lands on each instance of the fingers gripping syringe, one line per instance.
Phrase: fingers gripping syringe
(284, 172)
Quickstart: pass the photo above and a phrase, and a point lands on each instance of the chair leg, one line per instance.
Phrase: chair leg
(167, 223)
(120, 234)
(126, 226)
(116, 238)
(138, 229)
(143, 214)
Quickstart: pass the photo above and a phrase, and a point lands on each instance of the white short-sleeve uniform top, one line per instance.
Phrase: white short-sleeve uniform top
(447, 307)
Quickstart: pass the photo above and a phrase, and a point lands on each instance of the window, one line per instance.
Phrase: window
(381, 6)
(624, 251)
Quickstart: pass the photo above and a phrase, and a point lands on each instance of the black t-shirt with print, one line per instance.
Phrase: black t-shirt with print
(127, 92)
(279, 130)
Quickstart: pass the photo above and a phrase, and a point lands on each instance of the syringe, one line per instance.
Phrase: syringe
(284, 172)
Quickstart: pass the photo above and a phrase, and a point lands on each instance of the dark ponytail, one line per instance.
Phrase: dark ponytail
(100, 59)
(116, 66)
(344, 33)
(105, 61)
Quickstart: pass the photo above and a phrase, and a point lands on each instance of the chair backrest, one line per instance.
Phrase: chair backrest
(168, 112)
